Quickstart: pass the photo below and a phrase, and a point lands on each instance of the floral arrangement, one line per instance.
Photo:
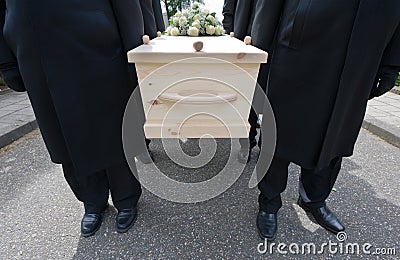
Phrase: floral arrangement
(195, 21)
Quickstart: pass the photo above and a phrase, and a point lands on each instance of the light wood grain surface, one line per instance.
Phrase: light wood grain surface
(207, 92)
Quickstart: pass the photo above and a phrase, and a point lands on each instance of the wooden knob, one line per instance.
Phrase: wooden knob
(247, 40)
(198, 46)
(146, 39)
(159, 34)
(232, 34)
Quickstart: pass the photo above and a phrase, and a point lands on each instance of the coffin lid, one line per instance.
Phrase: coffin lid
(167, 49)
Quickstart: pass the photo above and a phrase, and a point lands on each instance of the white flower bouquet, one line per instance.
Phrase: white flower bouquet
(195, 21)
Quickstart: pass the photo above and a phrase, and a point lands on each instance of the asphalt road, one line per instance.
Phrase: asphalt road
(40, 218)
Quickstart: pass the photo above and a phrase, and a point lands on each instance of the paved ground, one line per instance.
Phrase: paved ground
(383, 117)
(39, 217)
(386, 108)
(16, 116)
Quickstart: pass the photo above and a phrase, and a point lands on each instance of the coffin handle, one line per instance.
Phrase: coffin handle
(198, 99)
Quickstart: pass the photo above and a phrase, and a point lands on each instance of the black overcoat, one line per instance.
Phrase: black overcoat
(228, 11)
(239, 16)
(158, 15)
(153, 17)
(326, 55)
(150, 26)
(244, 17)
(71, 57)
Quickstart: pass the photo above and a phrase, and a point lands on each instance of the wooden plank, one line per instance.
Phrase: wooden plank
(196, 129)
(168, 49)
(208, 92)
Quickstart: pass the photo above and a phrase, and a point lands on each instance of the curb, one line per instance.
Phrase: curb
(395, 91)
(5, 91)
(383, 130)
(17, 133)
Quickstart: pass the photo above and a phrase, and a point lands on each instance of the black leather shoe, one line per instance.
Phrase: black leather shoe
(267, 225)
(125, 219)
(90, 224)
(146, 157)
(324, 217)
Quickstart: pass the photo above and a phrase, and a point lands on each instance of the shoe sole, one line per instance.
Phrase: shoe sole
(121, 231)
(263, 238)
(319, 223)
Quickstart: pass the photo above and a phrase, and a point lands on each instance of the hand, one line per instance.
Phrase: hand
(13, 79)
(384, 81)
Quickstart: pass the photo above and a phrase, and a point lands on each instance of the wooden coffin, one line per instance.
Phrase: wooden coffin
(192, 94)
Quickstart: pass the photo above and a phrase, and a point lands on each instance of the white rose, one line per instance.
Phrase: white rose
(210, 30)
(193, 31)
(174, 31)
(219, 30)
(196, 24)
(195, 5)
(182, 21)
(175, 20)
(211, 18)
(197, 17)
(185, 13)
(205, 12)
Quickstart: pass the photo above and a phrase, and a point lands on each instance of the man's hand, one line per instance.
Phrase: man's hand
(384, 81)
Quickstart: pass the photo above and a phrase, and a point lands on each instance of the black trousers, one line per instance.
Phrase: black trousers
(94, 189)
(314, 188)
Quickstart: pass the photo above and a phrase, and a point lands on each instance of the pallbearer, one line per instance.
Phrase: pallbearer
(158, 15)
(70, 56)
(328, 58)
(228, 11)
(153, 25)
(239, 18)
(153, 17)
